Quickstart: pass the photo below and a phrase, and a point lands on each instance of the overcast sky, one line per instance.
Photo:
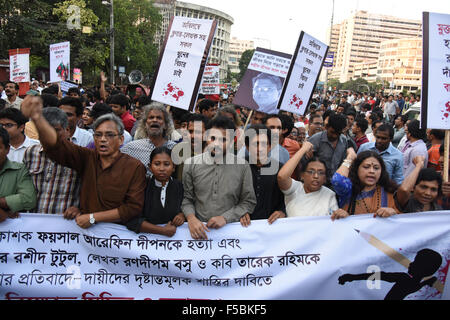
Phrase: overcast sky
(280, 21)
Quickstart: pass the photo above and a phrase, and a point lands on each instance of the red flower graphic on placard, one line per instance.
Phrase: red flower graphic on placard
(296, 101)
(446, 111)
(173, 91)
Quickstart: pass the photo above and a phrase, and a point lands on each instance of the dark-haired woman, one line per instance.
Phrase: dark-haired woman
(310, 197)
(163, 198)
(363, 186)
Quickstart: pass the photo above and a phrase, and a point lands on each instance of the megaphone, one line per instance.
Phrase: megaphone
(135, 77)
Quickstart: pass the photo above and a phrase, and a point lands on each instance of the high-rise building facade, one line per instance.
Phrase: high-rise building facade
(220, 48)
(237, 48)
(360, 37)
(400, 63)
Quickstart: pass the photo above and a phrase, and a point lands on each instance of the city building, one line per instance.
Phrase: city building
(220, 49)
(237, 48)
(400, 63)
(360, 37)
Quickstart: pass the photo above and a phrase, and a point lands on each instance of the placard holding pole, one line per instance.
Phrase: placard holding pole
(303, 74)
(182, 61)
(435, 107)
(60, 61)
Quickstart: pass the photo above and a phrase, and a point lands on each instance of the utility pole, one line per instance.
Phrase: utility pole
(111, 28)
(325, 89)
(110, 4)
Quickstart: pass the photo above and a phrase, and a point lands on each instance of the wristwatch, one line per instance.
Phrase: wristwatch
(91, 218)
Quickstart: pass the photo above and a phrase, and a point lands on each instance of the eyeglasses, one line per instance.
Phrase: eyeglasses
(7, 125)
(319, 124)
(108, 135)
(313, 173)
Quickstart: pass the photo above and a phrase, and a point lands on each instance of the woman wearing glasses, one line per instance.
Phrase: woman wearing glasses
(309, 197)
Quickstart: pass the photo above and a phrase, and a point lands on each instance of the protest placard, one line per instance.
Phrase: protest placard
(303, 74)
(181, 63)
(211, 80)
(19, 65)
(77, 75)
(260, 88)
(59, 61)
(435, 106)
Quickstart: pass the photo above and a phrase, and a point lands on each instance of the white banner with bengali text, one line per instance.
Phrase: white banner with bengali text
(403, 257)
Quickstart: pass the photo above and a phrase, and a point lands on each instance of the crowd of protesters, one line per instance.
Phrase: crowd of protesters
(100, 155)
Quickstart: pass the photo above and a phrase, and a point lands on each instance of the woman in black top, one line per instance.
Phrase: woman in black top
(163, 198)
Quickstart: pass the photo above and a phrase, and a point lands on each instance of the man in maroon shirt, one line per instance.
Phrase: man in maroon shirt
(119, 104)
(113, 183)
(359, 130)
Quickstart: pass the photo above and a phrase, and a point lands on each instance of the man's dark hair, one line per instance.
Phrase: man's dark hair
(327, 113)
(429, 174)
(73, 102)
(415, 131)
(221, 122)
(15, 115)
(5, 137)
(143, 101)
(362, 123)
(287, 123)
(259, 129)
(49, 100)
(313, 116)
(270, 116)
(438, 134)
(351, 112)
(2, 104)
(53, 89)
(386, 127)
(16, 85)
(121, 100)
(75, 90)
(193, 117)
(374, 123)
(177, 113)
(205, 105)
(100, 109)
(338, 122)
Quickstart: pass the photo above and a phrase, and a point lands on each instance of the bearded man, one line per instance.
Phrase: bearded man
(157, 124)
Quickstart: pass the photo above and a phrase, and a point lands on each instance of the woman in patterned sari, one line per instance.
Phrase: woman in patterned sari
(363, 186)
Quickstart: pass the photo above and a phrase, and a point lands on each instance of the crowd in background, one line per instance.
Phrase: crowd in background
(107, 154)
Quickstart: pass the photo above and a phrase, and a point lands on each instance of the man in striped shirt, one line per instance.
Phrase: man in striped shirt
(58, 187)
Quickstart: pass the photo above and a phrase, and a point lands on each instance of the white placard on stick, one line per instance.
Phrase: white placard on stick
(435, 113)
(211, 80)
(181, 63)
(60, 61)
(303, 74)
(19, 65)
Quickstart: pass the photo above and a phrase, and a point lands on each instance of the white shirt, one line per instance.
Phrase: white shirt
(301, 204)
(82, 137)
(16, 154)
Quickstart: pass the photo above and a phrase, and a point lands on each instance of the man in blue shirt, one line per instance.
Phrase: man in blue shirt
(392, 157)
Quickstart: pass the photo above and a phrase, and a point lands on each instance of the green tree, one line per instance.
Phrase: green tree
(37, 24)
(246, 57)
